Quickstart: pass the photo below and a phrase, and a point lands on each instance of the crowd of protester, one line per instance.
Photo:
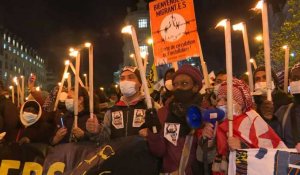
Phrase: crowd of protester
(161, 139)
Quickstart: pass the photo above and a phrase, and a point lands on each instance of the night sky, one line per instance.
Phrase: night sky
(52, 26)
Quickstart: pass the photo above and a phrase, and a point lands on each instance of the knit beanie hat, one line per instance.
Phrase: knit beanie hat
(192, 72)
(240, 92)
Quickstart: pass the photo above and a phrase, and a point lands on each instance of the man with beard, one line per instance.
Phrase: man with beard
(289, 115)
(176, 143)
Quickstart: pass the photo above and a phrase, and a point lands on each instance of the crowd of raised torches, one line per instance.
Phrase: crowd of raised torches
(142, 64)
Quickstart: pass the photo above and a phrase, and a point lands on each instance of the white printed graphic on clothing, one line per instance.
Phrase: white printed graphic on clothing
(171, 132)
(138, 118)
(117, 119)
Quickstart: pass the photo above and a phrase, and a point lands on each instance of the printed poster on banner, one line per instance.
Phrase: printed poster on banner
(174, 30)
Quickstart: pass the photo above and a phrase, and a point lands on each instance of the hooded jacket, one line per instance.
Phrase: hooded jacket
(123, 119)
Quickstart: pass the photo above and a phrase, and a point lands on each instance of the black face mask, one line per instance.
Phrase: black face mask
(184, 96)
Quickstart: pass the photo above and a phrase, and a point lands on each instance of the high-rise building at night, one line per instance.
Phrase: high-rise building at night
(17, 58)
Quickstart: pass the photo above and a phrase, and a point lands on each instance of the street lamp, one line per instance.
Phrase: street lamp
(86, 81)
(102, 88)
(258, 38)
(242, 27)
(12, 93)
(150, 41)
(131, 55)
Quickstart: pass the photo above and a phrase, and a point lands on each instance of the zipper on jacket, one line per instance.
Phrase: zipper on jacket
(126, 132)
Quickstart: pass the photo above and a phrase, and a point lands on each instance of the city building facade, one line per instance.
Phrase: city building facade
(18, 59)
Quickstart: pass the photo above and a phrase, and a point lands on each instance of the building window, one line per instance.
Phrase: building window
(144, 49)
(26, 50)
(22, 55)
(9, 48)
(17, 44)
(21, 47)
(26, 58)
(18, 53)
(8, 39)
(14, 51)
(4, 46)
(4, 36)
(13, 42)
(143, 23)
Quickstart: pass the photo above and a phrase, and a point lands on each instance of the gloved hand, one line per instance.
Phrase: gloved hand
(151, 120)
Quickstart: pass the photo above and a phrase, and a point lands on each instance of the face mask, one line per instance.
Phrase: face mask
(263, 86)
(235, 110)
(183, 96)
(69, 104)
(295, 87)
(169, 85)
(216, 89)
(127, 88)
(29, 117)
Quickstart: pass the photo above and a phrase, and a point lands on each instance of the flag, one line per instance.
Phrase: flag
(152, 78)
(252, 130)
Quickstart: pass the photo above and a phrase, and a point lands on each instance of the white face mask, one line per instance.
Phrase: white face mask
(263, 86)
(127, 88)
(295, 87)
(223, 108)
(169, 85)
(29, 117)
(69, 104)
(236, 111)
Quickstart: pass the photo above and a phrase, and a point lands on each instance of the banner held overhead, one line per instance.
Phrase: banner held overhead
(174, 30)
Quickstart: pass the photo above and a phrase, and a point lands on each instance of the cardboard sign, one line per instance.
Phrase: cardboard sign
(174, 30)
